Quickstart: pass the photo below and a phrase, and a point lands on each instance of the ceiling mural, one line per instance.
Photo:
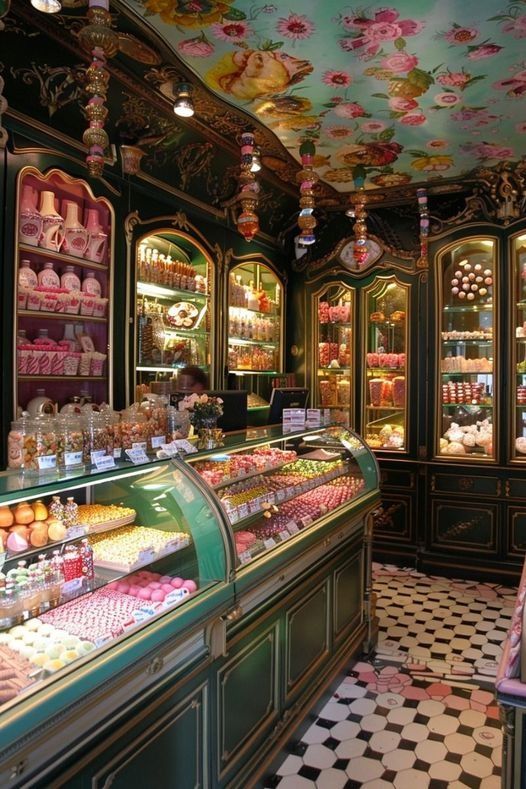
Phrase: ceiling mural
(417, 91)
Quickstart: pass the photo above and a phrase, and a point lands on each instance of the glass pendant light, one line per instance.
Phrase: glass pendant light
(255, 167)
(47, 6)
(183, 105)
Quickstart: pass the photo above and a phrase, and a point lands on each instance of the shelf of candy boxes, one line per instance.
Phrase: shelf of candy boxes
(477, 334)
(470, 438)
(69, 357)
(67, 441)
(157, 268)
(334, 313)
(46, 292)
(465, 392)
(278, 523)
(241, 466)
(244, 498)
(459, 364)
(248, 298)
(386, 361)
(334, 354)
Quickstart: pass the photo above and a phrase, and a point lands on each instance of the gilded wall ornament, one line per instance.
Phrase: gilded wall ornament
(58, 85)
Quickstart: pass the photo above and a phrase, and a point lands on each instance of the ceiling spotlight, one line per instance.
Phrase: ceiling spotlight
(255, 167)
(47, 6)
(183, 102)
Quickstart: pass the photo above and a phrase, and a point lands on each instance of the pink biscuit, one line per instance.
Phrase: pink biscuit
(158, 596)
(144, 594)
(122, 587)
(167, 588)
(176, 582)
(190, 585)
(154, 585)
(134, 590)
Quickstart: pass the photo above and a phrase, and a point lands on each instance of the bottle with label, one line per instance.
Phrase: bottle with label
(44, 338)
(26, 276)
(69, 280)
(48, 277)
(21, 338)
(71, 512)
(91, 285)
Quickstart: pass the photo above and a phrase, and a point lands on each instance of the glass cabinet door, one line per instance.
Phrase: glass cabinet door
(333, 350)
(173, 306)
(518, 387)
(466, 359)
(386, 303)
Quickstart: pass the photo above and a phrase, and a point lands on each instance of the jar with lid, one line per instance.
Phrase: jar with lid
(21, 444)
(97, 443)
(69, 280)
(113, 428)
(10, 607)
(177, 424)
(155, 410)
(47, 445)
(26, 276)
(91, 285)
(72, 440)
(48, 277)
(134, 429)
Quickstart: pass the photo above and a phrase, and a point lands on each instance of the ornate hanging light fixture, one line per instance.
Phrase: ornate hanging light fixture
(247, 220)
(359, 213)
(307, 179)
(101, 42)
(421, 195)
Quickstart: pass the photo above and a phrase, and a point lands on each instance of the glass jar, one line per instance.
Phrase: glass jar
(91, 285)
(71, 441)
(134, 429)
(47, 446)
(48, 277)
(10, 608)
(69, 280)
(97, 442)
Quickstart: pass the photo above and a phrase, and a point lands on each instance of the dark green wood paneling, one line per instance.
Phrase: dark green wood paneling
(394, 520)
(397, 478)
(466, 528)
(466, 484)
(347, 603)
(516, 520)
(306, 633)
(515, 488)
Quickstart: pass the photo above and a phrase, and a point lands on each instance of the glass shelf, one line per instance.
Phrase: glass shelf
(341, 370)
(478, 406)
(474, 309)
(384, 408)
(394, 370)
(333, 310)
(476, 343)
(485, 374)
(241, 341)
(254, 372)
(164, 292)
(59, 316)
(61, 257)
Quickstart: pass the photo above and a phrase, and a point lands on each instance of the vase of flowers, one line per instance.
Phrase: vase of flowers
(204, 411)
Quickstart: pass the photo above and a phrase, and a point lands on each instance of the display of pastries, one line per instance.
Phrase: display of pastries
(377, 317)
(182, 315)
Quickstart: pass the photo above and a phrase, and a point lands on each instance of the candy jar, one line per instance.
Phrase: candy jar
(72, 440)
(96, 439)
(56, 508)
(47, 446)
(76, 236)
(86, 553)
(30, 220)
(98, 239)
(69, 280)
(134, 428)
(71, 512)
(47, 276)
(91, 285)
(52, 223)
(72, 563)
(26, 276)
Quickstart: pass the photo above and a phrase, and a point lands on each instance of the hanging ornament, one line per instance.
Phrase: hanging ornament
(307, 179)
(421, 195)
(247, 221)
(359, 200)
(101, 42)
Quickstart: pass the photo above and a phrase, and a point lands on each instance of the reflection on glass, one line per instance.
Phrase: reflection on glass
(519, 356)
(466, 361)
(386, 302)
(334, 309)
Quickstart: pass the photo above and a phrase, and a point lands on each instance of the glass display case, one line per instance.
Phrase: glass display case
(255, 329)
(272, 487)
(173, 306)
(333, 351)
(63, 294)
(385, 316)
(88, 560)
(468, 334)
(518, 391)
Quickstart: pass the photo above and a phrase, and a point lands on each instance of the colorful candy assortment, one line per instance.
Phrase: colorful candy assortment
(44, 645)
(97, 617)
(131, 546)
(459, 364)
(392, 361)
(334, 313)
(147, 585)
(14, 674)
(239, 465)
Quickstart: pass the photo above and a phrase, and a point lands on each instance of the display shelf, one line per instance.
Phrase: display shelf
(386, 323)
(342, 370)
(61, 257)
(255, 473)
(385, 408)
(390, 370)
(60, 316)
(243, 341)
(485, 374)
(254, 372)
(474, 309)
(257, 313)
(186, 332)
(475, 343)
(477, 406)
(61, 378)
(164, 292)
(336, 325)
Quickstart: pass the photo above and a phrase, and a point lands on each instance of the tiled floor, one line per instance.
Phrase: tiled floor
(422, 713)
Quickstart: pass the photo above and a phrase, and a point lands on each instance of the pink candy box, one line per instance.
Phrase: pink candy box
(72, 303)
(34, 299)
(33, 362)
(97, 363)
(46, 358)
(99, 308)
(57, 362)
(71, 363)
(87, 304)
(85, 363)
(22, 359)
(22, 295)
(49, 302)
(60, 304)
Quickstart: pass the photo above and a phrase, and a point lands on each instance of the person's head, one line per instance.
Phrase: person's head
(192, 379)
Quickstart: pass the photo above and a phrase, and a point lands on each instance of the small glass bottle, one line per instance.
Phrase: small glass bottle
(86, 553)
(69, 280)
(48, 277)
(91, 285)
(26, 276)
(71, 512)
(56, 508)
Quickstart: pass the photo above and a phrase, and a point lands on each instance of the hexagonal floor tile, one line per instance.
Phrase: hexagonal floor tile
(296, 782)
(373, 722)
(431, 751)
(331, 779)
(315, 735)
(476, 764)
(333, 711)
(415, 732)
(459, 743)
(406, 778)
(319, 756)
(390, 701)
(445, 771)
(345, 730)
(362, 706)
(291, 765)
(443, 724)
(430, 708)
(472, 718)
(402, 715)
(351, 749)
(363, 769)
(384, 741)
(398, 760)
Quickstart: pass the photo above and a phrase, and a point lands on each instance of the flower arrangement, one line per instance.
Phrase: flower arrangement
(203, 409)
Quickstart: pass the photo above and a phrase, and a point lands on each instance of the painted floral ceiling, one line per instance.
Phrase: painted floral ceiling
(415, 91)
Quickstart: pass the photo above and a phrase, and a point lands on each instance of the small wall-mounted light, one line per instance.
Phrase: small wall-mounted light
(255, 167)
(183, 105)
(47, 6)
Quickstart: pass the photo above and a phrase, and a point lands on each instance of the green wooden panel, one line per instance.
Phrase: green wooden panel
(516, 521)
(466, 484)
(397, 478)
(171, 751)
(307, 636)
(465, 528)
(348, 584)
(248, 693)
(394, 520)
(515, 488)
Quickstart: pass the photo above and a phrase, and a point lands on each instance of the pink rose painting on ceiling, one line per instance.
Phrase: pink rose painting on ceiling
(250, 74)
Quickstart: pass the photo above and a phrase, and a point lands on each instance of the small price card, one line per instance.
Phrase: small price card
(280, 495)
(284, 535)
(243, 511)
(117, 453)
(104, 462)
(137, 455)
(46, 462)
(76, 531)
(245, 556)
(146, 556)
(292, 527)
(139, 445)
(158, 441)
(3, 557)
(270, 543)
(177, 596)
(254, 506)
(306, 520)
(182, 445)
(72, 458)
(71, 587)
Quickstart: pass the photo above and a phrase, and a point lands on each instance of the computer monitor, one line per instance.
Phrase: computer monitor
(235, 412)
(286, 397)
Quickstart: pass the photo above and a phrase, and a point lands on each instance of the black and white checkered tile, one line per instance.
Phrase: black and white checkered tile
(422, 714)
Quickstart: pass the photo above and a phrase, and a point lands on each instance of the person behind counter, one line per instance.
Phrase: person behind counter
(192, 379)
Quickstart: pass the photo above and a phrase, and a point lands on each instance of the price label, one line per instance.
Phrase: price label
(75, 531)
(146, 556)
(280, 495)
(245, 557)
(284, 535)
(306, 520)
(101, 640)
(158, 441)
(71, 587)
(270, 543)
(292, 527)
(104, 462)
(182, 445)
(117, 453)
(47, 461)
(254, 505)
(137, 455)
(233, 516)
(243, 511)
(97, 453)
(72, 458)
(145, 612)
(175, 597)
(139, 445)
